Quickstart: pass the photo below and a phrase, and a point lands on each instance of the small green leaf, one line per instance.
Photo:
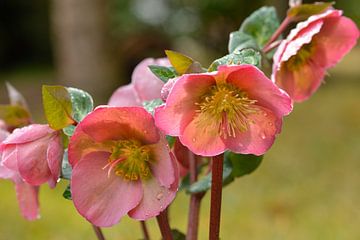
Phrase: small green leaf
(177, 235)
(66, 169)
(243, 163)
(204, 183)
(14, 115)
(57, 106)
(171, 140)
(82, 103)
(67, 193)
(240, 40)
(304, 11)
(16, 98)
(261, 24)
(163, 73)
(151, 105)
(244, 56)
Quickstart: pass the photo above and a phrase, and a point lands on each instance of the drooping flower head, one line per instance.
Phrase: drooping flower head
(315, 45)
(121, 165)
(236, 108)
(144, 85)
(31, 156)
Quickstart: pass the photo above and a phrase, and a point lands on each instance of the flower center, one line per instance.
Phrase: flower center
(301, 57)
(130, 160)
(223, 110)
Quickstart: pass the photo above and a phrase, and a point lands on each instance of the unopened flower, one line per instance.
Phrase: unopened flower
(121, 165)
(144, 86)
(315, 45)
(236, 108)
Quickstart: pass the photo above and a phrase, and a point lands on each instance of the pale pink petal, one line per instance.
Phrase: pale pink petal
(116, 123)
(336, 38)
(31, 159)
(147, 85)
(162, 168)
(165, 91)
(125, 96)
(28, 134)
(3, 135)
(9, 157)
(180, 107)
(204, 141)
(263, 126)
(55, 153)
(102, 200)
(258, 87)
(6, 173)
(27, 197)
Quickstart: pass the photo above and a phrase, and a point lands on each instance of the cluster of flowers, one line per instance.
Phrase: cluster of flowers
(120, 158)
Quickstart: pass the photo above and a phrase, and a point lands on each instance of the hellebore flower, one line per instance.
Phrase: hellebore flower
(144, 86)
(315, 45)
(29, 157)
(121, 165)
(236, 108)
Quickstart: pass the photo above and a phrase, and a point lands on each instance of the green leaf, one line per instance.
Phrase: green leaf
(171, 140)
(14, 115)
(244, 56)
(16, 98)
(177, 235)
(57, 106)
(182, 63)
(66, 169)
(67, 193)
(240, 40)
(82, 103)
(304, 11)
(243, 164)
(69, 130)
(261, 24)
(151, 105)
(163, 73)
(204, 183)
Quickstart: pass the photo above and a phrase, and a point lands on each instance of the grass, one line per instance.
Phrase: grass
(308, 186)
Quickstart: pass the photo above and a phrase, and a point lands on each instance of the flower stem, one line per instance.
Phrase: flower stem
(195, 202)
(144, 230)
(216, 192)
(277, 33)
(164, 226)
(98, 232)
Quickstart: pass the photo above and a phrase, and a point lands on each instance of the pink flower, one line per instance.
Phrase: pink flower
(315, 45)
(121, 165)
(236, 108)
(35, 153)
(144, 85)
(29, 157)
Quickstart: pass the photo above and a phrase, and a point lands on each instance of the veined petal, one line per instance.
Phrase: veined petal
(54, 158)
(100, 198)
(28, 134)
(27, 197)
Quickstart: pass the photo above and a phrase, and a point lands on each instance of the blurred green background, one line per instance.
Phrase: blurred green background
(308, 186)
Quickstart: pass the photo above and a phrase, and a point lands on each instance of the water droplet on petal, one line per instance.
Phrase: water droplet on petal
(159, 196)
(265, 114)
(161, 207)
(241, 145)
(194, 139)
(262, 135)
(145, 132)
(270, 123)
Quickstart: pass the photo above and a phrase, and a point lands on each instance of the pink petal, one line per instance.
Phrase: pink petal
(258, 87)
(27, 196)
(28, 134)
(263, 126)
(336, 38)
(3, 135)
(125, 96)
(6, 173)
(156, 197)
(55, 153)
(32, 164)
(180, 107)
(203, 141)
(116, 123)
(9, 157)
(102, 200)
(147, 85)
(163, 168)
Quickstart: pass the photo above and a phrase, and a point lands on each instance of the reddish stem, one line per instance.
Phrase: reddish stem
(216, 192)
(144, 230)
(164, 226)
(98, 232)
(277, 33)
(195, 202)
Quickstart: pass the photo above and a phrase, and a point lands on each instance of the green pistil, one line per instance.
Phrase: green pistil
(301, 57)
